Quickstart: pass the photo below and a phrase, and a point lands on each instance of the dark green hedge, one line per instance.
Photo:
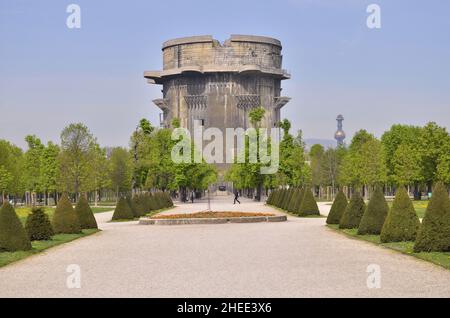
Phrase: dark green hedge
(375, 215)
(434, 233)
(402, 222)
(353, 213)
(337, 209)
(13, 236)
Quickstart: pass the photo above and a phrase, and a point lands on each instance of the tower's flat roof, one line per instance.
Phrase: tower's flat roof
(255, 39)
(188, 40)
(233, 38)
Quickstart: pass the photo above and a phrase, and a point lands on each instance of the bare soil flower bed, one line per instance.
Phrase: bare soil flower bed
(207, 215)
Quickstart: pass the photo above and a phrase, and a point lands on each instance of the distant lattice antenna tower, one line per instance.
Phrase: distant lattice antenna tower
(340, 134)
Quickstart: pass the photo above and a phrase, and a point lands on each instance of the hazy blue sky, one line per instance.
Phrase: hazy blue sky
(51, 76)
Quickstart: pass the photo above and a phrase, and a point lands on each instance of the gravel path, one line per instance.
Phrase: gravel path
(298, 258)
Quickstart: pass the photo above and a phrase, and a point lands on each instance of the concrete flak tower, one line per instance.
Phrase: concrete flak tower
(340, 134)
(219, 83)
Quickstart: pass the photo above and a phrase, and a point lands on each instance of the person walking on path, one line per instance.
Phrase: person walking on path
(192, 196)
(236, 196)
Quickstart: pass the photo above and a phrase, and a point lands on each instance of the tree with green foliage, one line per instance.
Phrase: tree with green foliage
(122, 211)
(38, 226)
(406, 166)
(353, 213)
(140, 141)
(352, 167)
(33, 164)
(256, 115)
(443, 168)
(293, 170)
(12, 180)
(65, 219)
(100, 167)
(372, 163)
(5, 181)
(330, 166)
(433, 145)
(364, 164)
(397, 136)
(78, 148)
(315, 156)
(434, 233)
(337, 209)
(12, 234)
(120, 170)
(161, 168)
(247, 175)
(375, 214)
(49, 169)
(85, 214)
(402, 222)
(309, 204)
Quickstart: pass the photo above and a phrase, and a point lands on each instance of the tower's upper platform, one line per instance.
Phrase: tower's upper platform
(243, 54)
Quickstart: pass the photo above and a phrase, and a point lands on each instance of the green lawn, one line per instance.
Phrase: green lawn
(150, 214)
(101, 209)
(292, 214)
(107, 203)
(419, 206)
(438, 258)
(39, 246)
(25, 211)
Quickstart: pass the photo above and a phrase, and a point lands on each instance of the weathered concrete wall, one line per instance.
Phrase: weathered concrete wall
(220, 83)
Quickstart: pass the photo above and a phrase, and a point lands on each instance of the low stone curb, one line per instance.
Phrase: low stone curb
(252, 219)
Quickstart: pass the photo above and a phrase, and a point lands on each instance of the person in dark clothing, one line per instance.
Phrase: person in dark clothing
(236, 196)
(192, 196)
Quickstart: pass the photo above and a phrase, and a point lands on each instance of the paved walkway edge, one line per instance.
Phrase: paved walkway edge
(254, 219)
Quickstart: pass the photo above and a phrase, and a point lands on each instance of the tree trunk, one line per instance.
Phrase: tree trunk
(96, 197)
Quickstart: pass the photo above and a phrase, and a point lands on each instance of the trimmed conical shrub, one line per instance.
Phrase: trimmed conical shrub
(353, 213)
(153, 202)
(293, 200)
(287, 199)
(131, 205)
(434, 233)
(309, 205)
(298, 203)
(169, 200)
(270, 198)
(38, 225)
(337, 209)
(138, 206)
(123, 211)
(85, 214)
(276, 194)
(401, 223)
(162, 199)
(281, 198)
(65, 219)
(13, 236)
(375, 214)
(283, 194)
